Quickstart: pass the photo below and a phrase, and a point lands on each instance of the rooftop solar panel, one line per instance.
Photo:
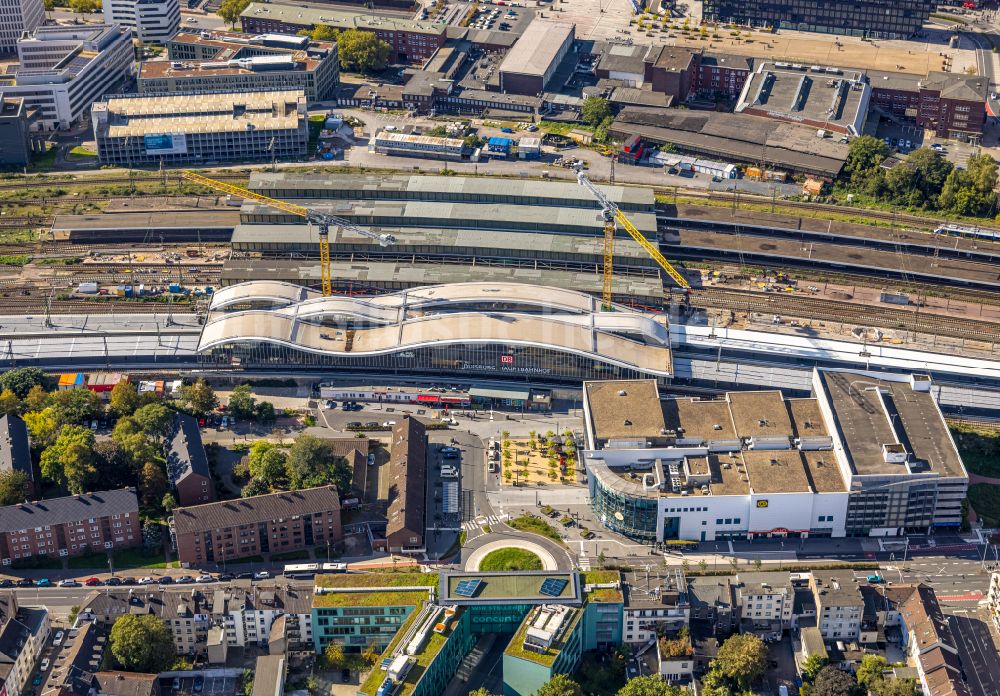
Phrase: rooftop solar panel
(553, 587)
(467, 588)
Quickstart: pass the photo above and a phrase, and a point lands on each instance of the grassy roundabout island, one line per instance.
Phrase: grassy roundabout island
(510, 559)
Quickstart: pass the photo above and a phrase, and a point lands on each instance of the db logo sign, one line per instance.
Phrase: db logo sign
(507, 359)
(762, 503)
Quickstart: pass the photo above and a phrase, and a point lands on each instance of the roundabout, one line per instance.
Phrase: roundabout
(511, 554)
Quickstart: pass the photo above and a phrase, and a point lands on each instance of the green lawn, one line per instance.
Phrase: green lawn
(80, 151)
(510, 559)
(301, 554)
(43, 161)
(126, 559)
(535, 526)
(980, 448)
(985, 500)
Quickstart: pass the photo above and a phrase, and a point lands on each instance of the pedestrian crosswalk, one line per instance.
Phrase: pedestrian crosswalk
(583, 560)
(480, 521)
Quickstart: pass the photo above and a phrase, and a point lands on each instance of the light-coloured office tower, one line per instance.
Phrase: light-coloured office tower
(152, 21)
(17, 17)
(63, 70)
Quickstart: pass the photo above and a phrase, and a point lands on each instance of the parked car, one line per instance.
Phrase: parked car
(44, 582)
(165, 580)
(37, 681)
(127, 580)
(6, 582)
(183, 580)
(45, 664)
(58, 639)
(506, 130)
(147, 581)
(204, 578)
(261, 575)
(225, 577)
(355, 424)
(113, 582)
(25, 582)
(92, 582)
(345, 676)
(446, 450)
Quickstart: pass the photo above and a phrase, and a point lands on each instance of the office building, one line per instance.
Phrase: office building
(221, 61)
(201, 128)
(952, 105)
(654, 604)
(24, 633)
(70, 526)
(62, 70)
(152, 21)
(528, 68)
(16, 120)
(877, 19)
(187, 464)
(866, 456)
(18, 17)
(407, 522)
(273, 523)
(15, 450)
(410, 41)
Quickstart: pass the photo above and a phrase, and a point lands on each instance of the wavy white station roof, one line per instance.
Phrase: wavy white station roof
(432, 316)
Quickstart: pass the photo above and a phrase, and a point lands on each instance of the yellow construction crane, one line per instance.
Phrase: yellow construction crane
(613, 216)
(323, 221)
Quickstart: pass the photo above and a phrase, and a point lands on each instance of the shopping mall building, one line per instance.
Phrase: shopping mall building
(866, 455)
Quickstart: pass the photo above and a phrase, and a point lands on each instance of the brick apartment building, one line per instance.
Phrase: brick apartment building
(15, 450)
(187, 463)
(70, 526)
(721, 74)
(951, 105)
(273, 523)
(407, 483)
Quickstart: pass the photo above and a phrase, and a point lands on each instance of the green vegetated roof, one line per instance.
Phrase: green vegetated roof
(375, 598)
(377, 676)
(380, 584)
(604, 595)
(516, 646)
(377, 580)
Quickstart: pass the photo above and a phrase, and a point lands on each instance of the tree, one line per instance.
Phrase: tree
(69, 460)
(20, 380)
(36, 400)
(241, 403)
(811, 667)
(14, 487)
(742, 659)
(481, 691)
(84, 6)
(75, 406)
(115, 468)
(322, 32)
(152, 484)
(152, 536)
(311, 462)
(832, 681)
(169, 502)
(9, 403)
(124, 399)
(266, 462)
(154, 420)
(142, 643)
(230, 10)
(362, 51)
(870, 670)
(594, 110)
(42, 426)
(969, 191)
(897, 687)
(333, 656)
(560, 685)
(650, 685)
(254, 487)
(264, 413)
(246, 682)
(864, 155)
(199, 398)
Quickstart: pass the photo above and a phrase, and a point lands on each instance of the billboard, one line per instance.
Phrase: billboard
(166, 144)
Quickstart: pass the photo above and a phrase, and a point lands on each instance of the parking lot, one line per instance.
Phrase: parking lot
(198, 684)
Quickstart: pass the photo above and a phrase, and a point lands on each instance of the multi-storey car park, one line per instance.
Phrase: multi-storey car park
(867, 455)
(475, 329)
(203, 128)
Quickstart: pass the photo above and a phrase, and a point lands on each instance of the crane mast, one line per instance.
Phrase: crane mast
(614, 217)
(323, 221)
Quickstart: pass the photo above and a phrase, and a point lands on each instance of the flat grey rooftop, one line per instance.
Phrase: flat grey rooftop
(154, 220)
(440, 188)
(865, 409)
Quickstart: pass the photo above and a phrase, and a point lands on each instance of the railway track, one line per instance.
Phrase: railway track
(849, 313)
(36, 305)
